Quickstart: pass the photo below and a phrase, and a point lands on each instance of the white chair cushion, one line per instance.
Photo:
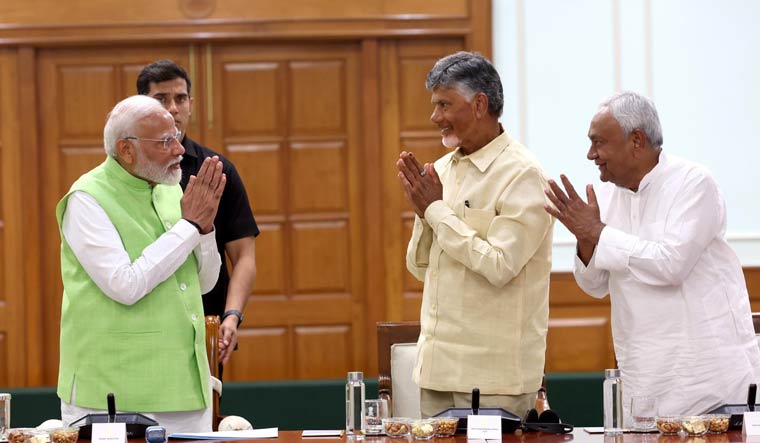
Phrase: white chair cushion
(406, 393)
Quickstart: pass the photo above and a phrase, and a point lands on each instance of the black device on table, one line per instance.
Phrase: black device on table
(737, 411)
(136, 423)
(548, 421)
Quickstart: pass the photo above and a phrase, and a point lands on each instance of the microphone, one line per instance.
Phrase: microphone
(111, 408)
(475, 401)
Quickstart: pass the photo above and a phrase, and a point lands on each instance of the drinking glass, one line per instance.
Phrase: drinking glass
(643, 412)
(374, 413)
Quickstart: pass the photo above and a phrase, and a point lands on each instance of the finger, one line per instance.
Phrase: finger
(558, 192)
(190, 184)
(591, 195)
(557, 204)
(569, 187)
(220, 187)
(430, 171)
(203, 170)
(415, 163)
(553, 212)
(410, 172)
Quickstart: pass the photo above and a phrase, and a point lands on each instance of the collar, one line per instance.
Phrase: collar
(117, 171)
(483, 157)
(191, 147)
(655, 172)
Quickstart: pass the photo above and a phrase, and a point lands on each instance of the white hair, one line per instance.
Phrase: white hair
(124, 116)
(635, 111)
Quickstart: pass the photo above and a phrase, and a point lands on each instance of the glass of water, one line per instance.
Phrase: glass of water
(643, 413)
(374, 413)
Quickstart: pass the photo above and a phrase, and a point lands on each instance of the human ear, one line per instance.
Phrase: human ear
(126, 151)
(481, 105)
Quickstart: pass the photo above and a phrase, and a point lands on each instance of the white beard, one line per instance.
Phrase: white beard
(450, 141)
(154, 173)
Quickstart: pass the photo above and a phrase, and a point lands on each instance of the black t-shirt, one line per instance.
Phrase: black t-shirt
(234, 219)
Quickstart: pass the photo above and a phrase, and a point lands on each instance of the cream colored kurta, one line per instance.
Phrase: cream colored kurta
(484, 253)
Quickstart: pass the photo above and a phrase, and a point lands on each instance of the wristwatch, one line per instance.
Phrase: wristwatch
(234, 312)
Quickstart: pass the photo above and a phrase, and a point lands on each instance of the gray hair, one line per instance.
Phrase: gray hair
(124, 116)
(634, 111)
(470, 73)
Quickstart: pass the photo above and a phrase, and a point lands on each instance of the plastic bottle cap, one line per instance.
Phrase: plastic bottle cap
(612, 373)
(355, 376)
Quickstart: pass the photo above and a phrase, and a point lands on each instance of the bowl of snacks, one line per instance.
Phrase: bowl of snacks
(668, 424)
(18, 435)
(694, 425)
(424, 428)
(64, 435)
(447, 426)
(396, 426)
(717, 423)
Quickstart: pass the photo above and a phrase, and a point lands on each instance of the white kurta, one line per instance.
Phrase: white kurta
(681, 318)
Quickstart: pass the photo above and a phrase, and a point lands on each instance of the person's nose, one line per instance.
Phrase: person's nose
(172, 107)
(177, 148)
(592, 154)
(435, 117)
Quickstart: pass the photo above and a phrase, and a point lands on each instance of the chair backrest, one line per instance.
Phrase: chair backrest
(212, 352)
(396, 356)
(756, 323)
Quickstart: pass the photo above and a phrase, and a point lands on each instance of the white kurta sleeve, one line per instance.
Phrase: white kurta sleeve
(592, 280)
(690, 224)
(97, 245)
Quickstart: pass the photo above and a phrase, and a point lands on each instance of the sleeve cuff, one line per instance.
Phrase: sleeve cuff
(436, 212)
(614, 250)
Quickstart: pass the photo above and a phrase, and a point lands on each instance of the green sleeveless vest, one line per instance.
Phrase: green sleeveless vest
(151, 355)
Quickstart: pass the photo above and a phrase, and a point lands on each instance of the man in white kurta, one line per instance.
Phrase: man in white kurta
(654, 239)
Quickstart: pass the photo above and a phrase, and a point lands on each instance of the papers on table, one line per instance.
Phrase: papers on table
(228, 435)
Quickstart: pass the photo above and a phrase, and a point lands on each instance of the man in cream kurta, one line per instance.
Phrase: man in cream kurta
(654, 239)
(135, 256)
(482, 245)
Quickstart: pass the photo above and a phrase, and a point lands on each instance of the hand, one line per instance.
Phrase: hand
(227, 338)
(580, 218)
(201, 198)
(421, 183)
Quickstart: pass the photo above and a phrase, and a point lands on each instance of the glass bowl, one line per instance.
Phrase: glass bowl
(447, 426)
(694, 425)
(668, 424)
(396, 426)
(424, 428)
(717, 423)
(64, 435)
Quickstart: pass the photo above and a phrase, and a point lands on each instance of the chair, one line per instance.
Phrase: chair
(396, 357)
(212, 352)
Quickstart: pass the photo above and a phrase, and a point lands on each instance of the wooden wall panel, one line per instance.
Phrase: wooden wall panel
(275, 355)
(323, 351)
(320, 257)
(296, 147)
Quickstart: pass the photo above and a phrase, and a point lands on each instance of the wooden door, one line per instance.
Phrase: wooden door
(406, 126)
(77, 88)
(287, 115)
(12, 338)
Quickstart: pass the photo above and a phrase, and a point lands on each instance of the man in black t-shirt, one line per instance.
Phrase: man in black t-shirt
(235, 225)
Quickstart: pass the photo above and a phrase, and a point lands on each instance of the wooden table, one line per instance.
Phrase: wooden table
(577, 436)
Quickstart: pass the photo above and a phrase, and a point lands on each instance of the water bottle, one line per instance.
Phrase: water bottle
(355, 405)
(613, 402)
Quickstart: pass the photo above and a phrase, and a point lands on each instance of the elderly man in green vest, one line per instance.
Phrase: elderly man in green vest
(136, 254)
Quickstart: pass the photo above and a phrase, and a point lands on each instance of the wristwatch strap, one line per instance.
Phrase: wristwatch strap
(234, 312)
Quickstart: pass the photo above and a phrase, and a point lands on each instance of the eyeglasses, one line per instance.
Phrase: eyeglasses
(167, 141)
